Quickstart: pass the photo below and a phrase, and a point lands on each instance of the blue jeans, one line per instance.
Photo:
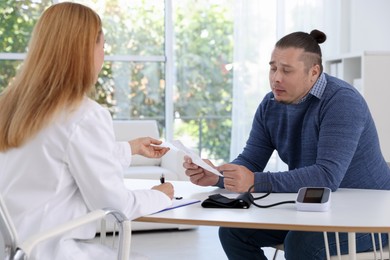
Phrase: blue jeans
(247, 243)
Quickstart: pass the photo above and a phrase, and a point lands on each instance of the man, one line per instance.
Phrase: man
(321, 127)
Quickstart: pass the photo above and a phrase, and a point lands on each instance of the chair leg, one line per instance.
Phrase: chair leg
(276, 254)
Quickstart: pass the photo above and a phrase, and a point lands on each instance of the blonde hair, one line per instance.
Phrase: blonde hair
(56, 74)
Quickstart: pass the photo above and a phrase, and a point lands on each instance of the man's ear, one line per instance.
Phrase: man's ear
(315, 72)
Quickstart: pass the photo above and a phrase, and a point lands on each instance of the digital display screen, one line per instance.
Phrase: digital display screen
(313, 195)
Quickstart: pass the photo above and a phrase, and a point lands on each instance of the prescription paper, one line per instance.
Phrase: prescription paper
(177, 145)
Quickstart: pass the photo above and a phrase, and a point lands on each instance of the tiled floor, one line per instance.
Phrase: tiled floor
(201, 243)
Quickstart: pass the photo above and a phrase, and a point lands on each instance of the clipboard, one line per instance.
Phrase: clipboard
(180, 203)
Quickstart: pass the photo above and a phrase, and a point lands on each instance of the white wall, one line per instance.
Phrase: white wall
(357, 26)
(370, 22)
(354, 26)
(369, 31)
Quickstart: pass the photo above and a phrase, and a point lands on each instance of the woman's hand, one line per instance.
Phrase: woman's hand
(148, 147)
(198, 175)
(166, 188)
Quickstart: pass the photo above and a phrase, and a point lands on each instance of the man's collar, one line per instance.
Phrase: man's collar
(317, 90)
(319, 87)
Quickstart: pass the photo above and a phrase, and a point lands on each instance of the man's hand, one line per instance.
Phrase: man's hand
(198, 175)
(237, 178)
(148, 147)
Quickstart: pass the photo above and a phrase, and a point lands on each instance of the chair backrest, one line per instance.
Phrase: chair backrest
(11, 250)
(8, 232)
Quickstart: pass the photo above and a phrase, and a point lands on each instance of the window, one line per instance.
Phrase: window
(203, 63)
(132, 81)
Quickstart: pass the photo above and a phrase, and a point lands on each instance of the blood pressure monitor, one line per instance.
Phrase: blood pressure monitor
(313, 199)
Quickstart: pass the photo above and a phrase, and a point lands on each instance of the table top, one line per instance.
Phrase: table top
(351, 210)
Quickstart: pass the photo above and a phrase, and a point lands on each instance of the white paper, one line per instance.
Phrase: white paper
(177, 145)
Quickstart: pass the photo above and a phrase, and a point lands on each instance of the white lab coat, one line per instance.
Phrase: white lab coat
(69, 168)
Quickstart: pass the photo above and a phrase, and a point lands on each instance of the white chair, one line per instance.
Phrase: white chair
(380, 253)
(13, 249)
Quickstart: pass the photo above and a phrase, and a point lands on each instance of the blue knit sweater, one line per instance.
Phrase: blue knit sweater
(329, 141)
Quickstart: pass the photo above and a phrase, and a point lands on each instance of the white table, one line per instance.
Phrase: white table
(351, 210)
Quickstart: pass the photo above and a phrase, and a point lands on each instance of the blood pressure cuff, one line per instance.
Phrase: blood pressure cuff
(218, 201)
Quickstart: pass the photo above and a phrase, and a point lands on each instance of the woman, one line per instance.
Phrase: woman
(58, 156)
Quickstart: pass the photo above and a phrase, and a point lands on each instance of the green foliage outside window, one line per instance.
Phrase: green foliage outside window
(17, 19)
(133, 89)
(204, 54)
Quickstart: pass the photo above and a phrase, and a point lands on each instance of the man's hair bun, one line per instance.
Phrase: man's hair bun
(319, 36)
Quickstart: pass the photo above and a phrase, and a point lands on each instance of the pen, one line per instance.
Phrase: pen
(162, 180)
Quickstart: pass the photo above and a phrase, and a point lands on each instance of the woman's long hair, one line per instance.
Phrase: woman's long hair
(56, 74)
